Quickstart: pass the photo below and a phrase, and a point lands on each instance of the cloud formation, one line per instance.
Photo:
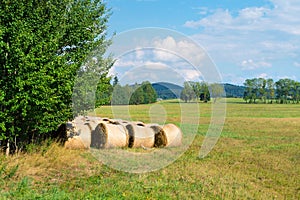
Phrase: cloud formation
(279, 18)
(253, 38)
(252, 65)
(163, 59)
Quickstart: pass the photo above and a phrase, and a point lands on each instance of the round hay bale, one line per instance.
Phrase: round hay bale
(84, 132)
(160, 138)
(74, 143)
(140, 136)
(109, 135)
(173, 135)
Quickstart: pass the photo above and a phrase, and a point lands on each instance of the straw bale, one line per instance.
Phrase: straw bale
(140, 135)
(75, 143)
(173, 135)
(109, 135)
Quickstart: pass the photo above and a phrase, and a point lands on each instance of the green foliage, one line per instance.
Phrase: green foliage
(204, 92)
(121, 95)
(166, 90)
(144, 93)
(138, 94)
(283, 91)
(92, 85)
(195, 90)
(103, 92)
(187, 93)
(116, 81)
(43, 44)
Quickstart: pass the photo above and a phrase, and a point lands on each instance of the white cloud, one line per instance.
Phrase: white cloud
(153, 72)
(263, 75)
(283, 17)
(269, 35)
(233, 78)
(288, 77)
(171, 50)
(252, 65)
(191, 75)
(139, 53)
(220, 17)
(253, 13)
(128, 63)
(296, 64)
(155, 65)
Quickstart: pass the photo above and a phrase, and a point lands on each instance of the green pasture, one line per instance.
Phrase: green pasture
(256, 157)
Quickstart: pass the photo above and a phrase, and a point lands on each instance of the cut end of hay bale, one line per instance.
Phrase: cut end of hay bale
(173, 135)
(160, 136)
(99, 137)
(74, 143)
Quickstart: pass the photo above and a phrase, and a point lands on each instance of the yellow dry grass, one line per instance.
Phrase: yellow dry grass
(56, 164)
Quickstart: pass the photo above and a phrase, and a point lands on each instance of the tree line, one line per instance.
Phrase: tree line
(201, 91)
(136, 94)
(268, 91)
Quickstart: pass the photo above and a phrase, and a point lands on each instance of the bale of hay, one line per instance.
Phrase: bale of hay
(173, 135)
(82, 127)
(160, 137)
(84, 132)
(140, 135)
(75, 143)
(109, 135)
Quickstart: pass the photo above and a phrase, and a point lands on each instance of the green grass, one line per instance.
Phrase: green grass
(256, 157)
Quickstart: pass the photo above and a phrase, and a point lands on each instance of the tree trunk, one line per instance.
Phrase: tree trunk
(7, 149)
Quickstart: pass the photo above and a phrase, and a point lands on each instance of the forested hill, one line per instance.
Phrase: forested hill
(171, 91)
(167, 90)
(234, 90)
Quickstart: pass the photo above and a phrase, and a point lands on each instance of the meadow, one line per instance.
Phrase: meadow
(256, 157)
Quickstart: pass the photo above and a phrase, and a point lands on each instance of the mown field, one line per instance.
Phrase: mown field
(256, 157)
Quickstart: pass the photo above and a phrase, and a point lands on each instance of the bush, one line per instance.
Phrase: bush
(44, 44)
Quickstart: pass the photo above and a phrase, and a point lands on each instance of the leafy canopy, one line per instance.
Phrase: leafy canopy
(43, 43)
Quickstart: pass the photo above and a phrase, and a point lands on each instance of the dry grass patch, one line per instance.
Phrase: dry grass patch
(55, 165)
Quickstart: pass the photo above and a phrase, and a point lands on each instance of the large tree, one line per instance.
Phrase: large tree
(149, 93)
(43, 44)
(187, 93)
(270, 90)
(204, 92)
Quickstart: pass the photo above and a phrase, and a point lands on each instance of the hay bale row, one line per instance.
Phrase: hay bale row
(110, 133)
(140, 135)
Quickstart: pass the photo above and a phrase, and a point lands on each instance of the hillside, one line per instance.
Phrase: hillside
(234, 90)
(166, 90)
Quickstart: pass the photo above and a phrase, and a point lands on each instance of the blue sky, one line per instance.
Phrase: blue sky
(245, 39)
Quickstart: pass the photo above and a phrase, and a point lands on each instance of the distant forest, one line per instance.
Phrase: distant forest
(256, 90)
(268, 91)
(135, 94)
(170, 91)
